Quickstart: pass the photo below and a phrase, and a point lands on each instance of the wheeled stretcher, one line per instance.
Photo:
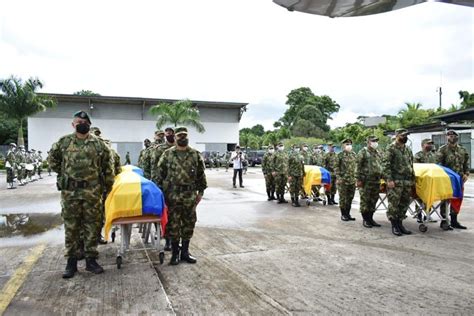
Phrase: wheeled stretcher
(317, 181)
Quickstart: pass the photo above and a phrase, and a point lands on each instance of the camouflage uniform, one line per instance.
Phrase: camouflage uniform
(267, 169)
(85, 169)
(11, 160)
(20, 161)
(146, 160)
(345, 171)
(40, 164)
(306, 157)
(296, 172)
(155, 158)
(280, 167)
(425, 157)
(369, 172)
(330, 161)
(127, 159)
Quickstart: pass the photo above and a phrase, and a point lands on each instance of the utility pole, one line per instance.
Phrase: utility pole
(440, 94)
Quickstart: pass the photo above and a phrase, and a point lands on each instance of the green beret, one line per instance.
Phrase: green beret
(181, 130)
(347, 141)
(427, 141)
(401, 131)
(452, 132)
(83, 115)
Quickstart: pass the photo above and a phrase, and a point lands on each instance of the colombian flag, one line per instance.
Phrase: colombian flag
(437, 183)
(315, 175)
(133, 195)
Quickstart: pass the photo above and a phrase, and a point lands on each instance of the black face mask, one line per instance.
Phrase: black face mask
(82, 128)
(183, 142)
(170, 138)
(403, 139)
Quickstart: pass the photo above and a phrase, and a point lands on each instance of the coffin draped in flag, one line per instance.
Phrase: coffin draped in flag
(133, 195)
(315, 175)
(437, 183)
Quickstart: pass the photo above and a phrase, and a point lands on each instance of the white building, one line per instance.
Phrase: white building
(127, 122)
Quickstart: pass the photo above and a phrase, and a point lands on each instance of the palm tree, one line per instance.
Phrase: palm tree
(179, 113)
(19, 100)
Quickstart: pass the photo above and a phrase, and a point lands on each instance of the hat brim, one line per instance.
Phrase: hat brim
(179, 133)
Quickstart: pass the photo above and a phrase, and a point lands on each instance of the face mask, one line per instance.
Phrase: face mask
(429, 148)
(170, 138)
(374, 145)
(305, 148)
(271, 151)
(82, 128)
(403, 139)
(453, 140)
(348, 147)
(281, 148)
(296, 150)
(183, 142)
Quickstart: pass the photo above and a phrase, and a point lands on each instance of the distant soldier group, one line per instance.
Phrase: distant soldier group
(23, 166)
(366, 171)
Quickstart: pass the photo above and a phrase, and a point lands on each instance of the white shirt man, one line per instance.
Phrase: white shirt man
(237, 158)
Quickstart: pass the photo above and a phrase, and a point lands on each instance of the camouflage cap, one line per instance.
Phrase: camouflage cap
(347, 141)
(330, 144)
(270, 147)
(280, 144)
(146, 140)
(83, 115)
(159, 132)
(372, 138)
(401, 131)
(427, 141)
(452, 132)
(180, 130)
(320, 146)
(13, 144)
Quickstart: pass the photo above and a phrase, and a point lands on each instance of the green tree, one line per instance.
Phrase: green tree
(19, 100)
(179, 113)
(87, 93)
(467, 99)
(258, 130)
(244, 139)
(9, 130)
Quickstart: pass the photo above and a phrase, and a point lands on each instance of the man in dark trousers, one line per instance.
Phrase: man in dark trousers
(237, 158)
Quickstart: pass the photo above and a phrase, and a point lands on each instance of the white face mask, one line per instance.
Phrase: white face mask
(281, 148)
(271, 151)
(348, 148)
(305, 148)
(374, 145)
(296, 150)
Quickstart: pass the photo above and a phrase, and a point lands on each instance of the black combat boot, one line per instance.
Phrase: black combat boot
(455, 223)
(333, 201)
(269, 195)
(344, 215)
(403, 230)
(366, 221)
(93, 266)
(348, 214)
(273, 195)
(175, 253)
(281, 199)
(370, 217)
(395, 228)
(167, 244)
(330, 202)
(71, 268)
(297, 201)
(185, 255)
(444, 224)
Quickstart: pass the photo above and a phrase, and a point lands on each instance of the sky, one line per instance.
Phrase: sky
(251, 51)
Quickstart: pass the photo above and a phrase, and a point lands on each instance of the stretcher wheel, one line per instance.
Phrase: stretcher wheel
(162, 257)
(423, 228)
(119, 262)
(113, 236)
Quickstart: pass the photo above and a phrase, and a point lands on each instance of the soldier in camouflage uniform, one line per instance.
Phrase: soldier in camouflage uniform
(330, 161)
(400, 178)
(48, 165)
(10, 164)
(295, 174)
(455, 157)
(84, 165)
(280, 172)
(368, 175)
(267, 169)
(425, 155)
(183, 181)
(20, 161)
(147, 156)
(306, 154)
(146, 144)
(127, 158)
(40, 164)
(345, 170)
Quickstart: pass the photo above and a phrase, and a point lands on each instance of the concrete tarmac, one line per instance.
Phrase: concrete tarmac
(254, 257)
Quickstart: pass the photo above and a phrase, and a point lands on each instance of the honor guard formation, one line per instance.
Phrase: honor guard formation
(24, 166)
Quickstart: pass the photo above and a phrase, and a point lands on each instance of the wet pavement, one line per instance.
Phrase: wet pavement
(254, 257)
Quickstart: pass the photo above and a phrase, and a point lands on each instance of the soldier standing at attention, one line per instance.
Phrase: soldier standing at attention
(183, 181)
(83, 163)
(280, 172)
(455, 157)
(146, 143)
(267, 169)
(400, 178)
(20, 162)
(10, 164)
(369, 173)
(159, 139)
(127, 158)
(295, 174)
(425, 155)
(330, 161)
(306, 154)
(40, 164)
(346, 178)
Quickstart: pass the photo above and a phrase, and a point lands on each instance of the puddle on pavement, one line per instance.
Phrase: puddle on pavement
(28, 225)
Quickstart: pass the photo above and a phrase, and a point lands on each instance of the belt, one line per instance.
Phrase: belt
(183, 188)
(80, 184)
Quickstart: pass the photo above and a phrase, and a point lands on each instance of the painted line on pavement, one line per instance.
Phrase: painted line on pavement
(19, 277)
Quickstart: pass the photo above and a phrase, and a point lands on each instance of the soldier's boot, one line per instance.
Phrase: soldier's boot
(292, 200)
(93, 266)
(297, 201)
(175, 253)
(444, 224)
(71, 268)
(185, 255)
(269, 195)
(371, 219)
(168, 244)
(348, 214)
(395, 228)
(273, 195)
(333, 201)
(366, 221)
(330, 202)
(402, 228)
(281, 199)
(455, 223)
(344, 215)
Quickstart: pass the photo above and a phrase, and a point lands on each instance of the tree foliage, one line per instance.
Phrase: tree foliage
(467, 99)
(179, 113)
(87, 93)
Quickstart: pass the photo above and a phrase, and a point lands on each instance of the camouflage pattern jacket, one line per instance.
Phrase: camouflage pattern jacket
(398, 163)
(317, 159)
(369, 165)
(346, 167)
(280, 163)
(455, 158)
(267, 163)
(146, 160)
(306, 157)
(84, 167)
(181, 171)
(425, 157)
(330, 161)
(11, 158)
(156, 154)
(295, 164)
(116, 161)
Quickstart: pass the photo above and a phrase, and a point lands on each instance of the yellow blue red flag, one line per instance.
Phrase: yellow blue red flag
(315, 175)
